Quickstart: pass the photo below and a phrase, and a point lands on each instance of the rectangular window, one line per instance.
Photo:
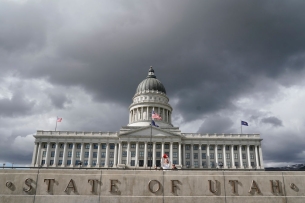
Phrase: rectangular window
(87, 146)
(251, 156)
(243, 148)
(141, 154)
(133, 154)
(77, 162)
(141, 146)
(69, 153)
(228, 155)
(111, 155)
(44, 153)
(86, 154)
(236, 164)
(245, 164)
(229, 164)
(133, 146)
(195, 155)
(78, 154)
(95, 146)
(220, 155)
(244, 156)
(61, 146)
(68, 162)
(94, 154)
(175, 154)
(203, 147)
(212, 156)
(251, 148)
(166, 146)
(149, 154)
(187, 155)
(188, 163)
(61, 154)
(86, 162)
(212, 165)
(235, 156)
(104, 146)
(53, 146)
(196, 164)
(203, 164)
(158, 146)
(124, 162)
(175, 162)
(70, 146)
(211, 147)
(51, 162)
(203, 156)
(252, 164)
(112, 146)
(110, 163)
(52, 153)
(103, 154)
(158, 154)
(175, 146)
(103, 163)
(187, 147)
(44, 146)
(132, 163)
(43, 162)
(79, 146)
(235, 148)
(124, 145)
(219, 147)
(227, 147)
(124, 154)
(93, 162)
(195, 147)
(59, 162)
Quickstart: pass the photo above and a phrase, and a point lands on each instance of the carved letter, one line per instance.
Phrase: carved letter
(173, 185)
(113, 185)
(70, 185)
(255, 187)
(49, 183)
(92, 182)
(28, 183)
(215, 187)
(149, 186)
(277, 186)
(233, 183)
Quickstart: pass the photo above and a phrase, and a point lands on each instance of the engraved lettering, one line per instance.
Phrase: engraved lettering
(8, 184)
(234, 185)
(28, 182)
(70, 185)
(49, 183)
(92, 181)
(255, 187)
(149, 186)
(215, 190)
(174, 186)
(276, 186)
(113, 187)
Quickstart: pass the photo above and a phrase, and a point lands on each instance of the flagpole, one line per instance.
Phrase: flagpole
(150, 144)
(56, 123)
(241, 128)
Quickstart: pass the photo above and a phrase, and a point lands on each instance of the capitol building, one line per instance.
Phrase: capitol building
(140, 145)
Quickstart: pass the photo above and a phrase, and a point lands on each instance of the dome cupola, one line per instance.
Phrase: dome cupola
(151, 83)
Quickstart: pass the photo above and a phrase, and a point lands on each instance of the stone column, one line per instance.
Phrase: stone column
(232, 154)
(184, 159)
(224, 156)
(154, 155)
(47, 155)
(81, 158)
(162, 149)
(192, 156)
(167, 115)
(146, 116)
(248, 155)
(200, 156)
(107, 155)
(145, 155)
(163, 114)
(115, 155)
(90, 155)
(56, 154)
(179, 154)
(137, 155)
(73, 155)
(64, 156)
(261, 157)
(120, 153)
(142, 113)
(34, 154)
(171, 151)
(241, 165)
(98, 160)
(208, 156)
(38, 162)
(216, 156)
(128, 154)
(256, 158)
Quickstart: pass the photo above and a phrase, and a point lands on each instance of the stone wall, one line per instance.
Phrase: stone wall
(132, 186)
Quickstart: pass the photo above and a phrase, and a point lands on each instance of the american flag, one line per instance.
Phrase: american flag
(155, 115)
(59, 119)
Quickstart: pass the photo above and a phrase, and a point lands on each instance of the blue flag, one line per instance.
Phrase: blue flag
(244, 123)
(153, 123)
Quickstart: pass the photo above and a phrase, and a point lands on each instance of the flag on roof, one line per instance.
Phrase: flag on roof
(244, 123)
(59, 119)
(155, 115)
(153, 123)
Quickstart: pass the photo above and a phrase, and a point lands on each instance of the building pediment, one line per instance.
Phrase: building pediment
(148, 131)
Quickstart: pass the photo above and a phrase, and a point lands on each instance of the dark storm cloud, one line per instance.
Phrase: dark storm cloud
(18, 105)
(274, 121)
(58, 99)
(216, 124)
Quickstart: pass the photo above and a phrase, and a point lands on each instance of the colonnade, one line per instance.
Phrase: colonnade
(144, 113)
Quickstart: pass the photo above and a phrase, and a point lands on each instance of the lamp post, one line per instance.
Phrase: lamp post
(3, 165)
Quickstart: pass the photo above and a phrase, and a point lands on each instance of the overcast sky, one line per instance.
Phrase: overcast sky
(220, 62)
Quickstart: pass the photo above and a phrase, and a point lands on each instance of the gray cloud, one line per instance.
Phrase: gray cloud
(216, 124)
(274, 121)
(18, 105)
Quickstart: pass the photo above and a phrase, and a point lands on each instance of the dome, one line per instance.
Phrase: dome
(151, 83)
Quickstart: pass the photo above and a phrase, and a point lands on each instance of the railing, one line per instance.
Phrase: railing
(73, 133)
(195, 135)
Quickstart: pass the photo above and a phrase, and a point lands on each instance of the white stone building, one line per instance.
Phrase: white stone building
(138, 144)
